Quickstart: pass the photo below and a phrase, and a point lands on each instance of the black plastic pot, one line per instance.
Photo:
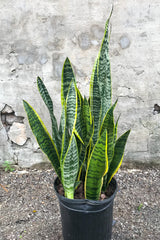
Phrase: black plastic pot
(84, 219)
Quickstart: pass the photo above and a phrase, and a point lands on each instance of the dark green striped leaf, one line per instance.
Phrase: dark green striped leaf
(67, 77)
(85, 117)
(115, 131)
(79, 123)
(65, 133)
(48, 101)
(88, 130)
(104, 72)
(95, 102)
(69, 169)
(71, 106)
(96, 169)
(118, 156)
(108, 123)
(42, 136)
(62, 121)
(87, 122)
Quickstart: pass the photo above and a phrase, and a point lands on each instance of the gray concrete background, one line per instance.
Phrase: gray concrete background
(36, 37)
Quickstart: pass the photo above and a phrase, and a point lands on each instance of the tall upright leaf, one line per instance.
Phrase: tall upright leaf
(108, 120)
(96, 169)
(88, 130)
(86, 117)
(79, 123)
(115, 131)
(65, 133)
(67, 77)
(87, 121)
(43, 138)
(95, 102)
(62, 121)
(104, 72)
(48, 101)
(71, 106)
(108, 124)
(68, 117)
(72, 109)
(69, 168)
(118, 156)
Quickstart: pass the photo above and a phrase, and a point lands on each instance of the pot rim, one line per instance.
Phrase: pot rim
(87, 201)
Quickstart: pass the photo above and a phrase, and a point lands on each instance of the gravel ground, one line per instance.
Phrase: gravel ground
(29, 208)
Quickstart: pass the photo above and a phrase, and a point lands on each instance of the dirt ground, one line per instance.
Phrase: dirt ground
(29, 207)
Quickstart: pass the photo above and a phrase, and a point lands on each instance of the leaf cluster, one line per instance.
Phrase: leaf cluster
(84, 147)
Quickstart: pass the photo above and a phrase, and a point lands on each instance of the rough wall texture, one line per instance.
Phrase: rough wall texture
(35, 38)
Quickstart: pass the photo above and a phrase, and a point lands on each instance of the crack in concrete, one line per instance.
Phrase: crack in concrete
(132, 97)
(125, 87)
(15, 158)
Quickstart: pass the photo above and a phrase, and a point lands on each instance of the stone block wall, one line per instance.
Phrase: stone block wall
(36, 37)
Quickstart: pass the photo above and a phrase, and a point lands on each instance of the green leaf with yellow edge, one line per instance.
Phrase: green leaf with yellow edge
(88, 126)
(79, 124)
(104, 72)
(115, 130)
(87, 122)
(96, 169)
(88, 130)
(43, 137)
(95, 102)
(108, 124)
(69, 168)
(108, 121)
(48, 101)
(65, 133)
(71, 107)
(62, 121)
(67, 77)
(118, 156)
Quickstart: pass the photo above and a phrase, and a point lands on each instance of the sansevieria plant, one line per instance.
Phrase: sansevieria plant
(85, 146)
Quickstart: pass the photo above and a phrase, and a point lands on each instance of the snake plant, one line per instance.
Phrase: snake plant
(84, 147)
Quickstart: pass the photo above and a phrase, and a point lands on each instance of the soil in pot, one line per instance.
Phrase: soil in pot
(79, 192)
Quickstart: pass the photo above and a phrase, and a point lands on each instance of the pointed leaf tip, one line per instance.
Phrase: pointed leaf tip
(110, 15)
(67, 60)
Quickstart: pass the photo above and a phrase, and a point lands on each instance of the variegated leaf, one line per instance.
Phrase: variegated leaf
(43, 138)
(65, 133)
(48, 101)
(96, 169)
(118, 156)
(95, 102)
(71, 107)
(87, 129)
(104, 73)
(67, 77)
(115, 131)
(62, 121)
(69, 169)
(108, 124)
(79, 123)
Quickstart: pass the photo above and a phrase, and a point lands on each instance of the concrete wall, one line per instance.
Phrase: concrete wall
(36, 37)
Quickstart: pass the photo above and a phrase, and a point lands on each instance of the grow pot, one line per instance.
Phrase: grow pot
(84, 219)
